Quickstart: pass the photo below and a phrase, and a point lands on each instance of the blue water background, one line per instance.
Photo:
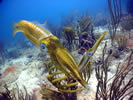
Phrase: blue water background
(40, 10)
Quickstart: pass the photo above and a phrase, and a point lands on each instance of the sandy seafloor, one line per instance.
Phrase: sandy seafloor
(30, 70)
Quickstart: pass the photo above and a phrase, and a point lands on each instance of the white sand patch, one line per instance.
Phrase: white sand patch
(93, 81)
(20, 60)
(100, 29)
(28, 80)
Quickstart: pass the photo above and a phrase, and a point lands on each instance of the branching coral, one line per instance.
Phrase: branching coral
(85, 23)
(115, 15)
(101, 75)
(121, 86)
(6, 95)
(16, 95)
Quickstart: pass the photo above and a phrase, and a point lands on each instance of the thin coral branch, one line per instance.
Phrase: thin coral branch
(101, 75)
(121, 86)
(16, 95)
(115, 14)
(118, 90)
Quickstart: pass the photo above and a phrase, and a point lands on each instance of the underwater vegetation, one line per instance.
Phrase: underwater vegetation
(119, 21)
(121, 85)
(84, 23)
(115, 16)
(18, 95)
